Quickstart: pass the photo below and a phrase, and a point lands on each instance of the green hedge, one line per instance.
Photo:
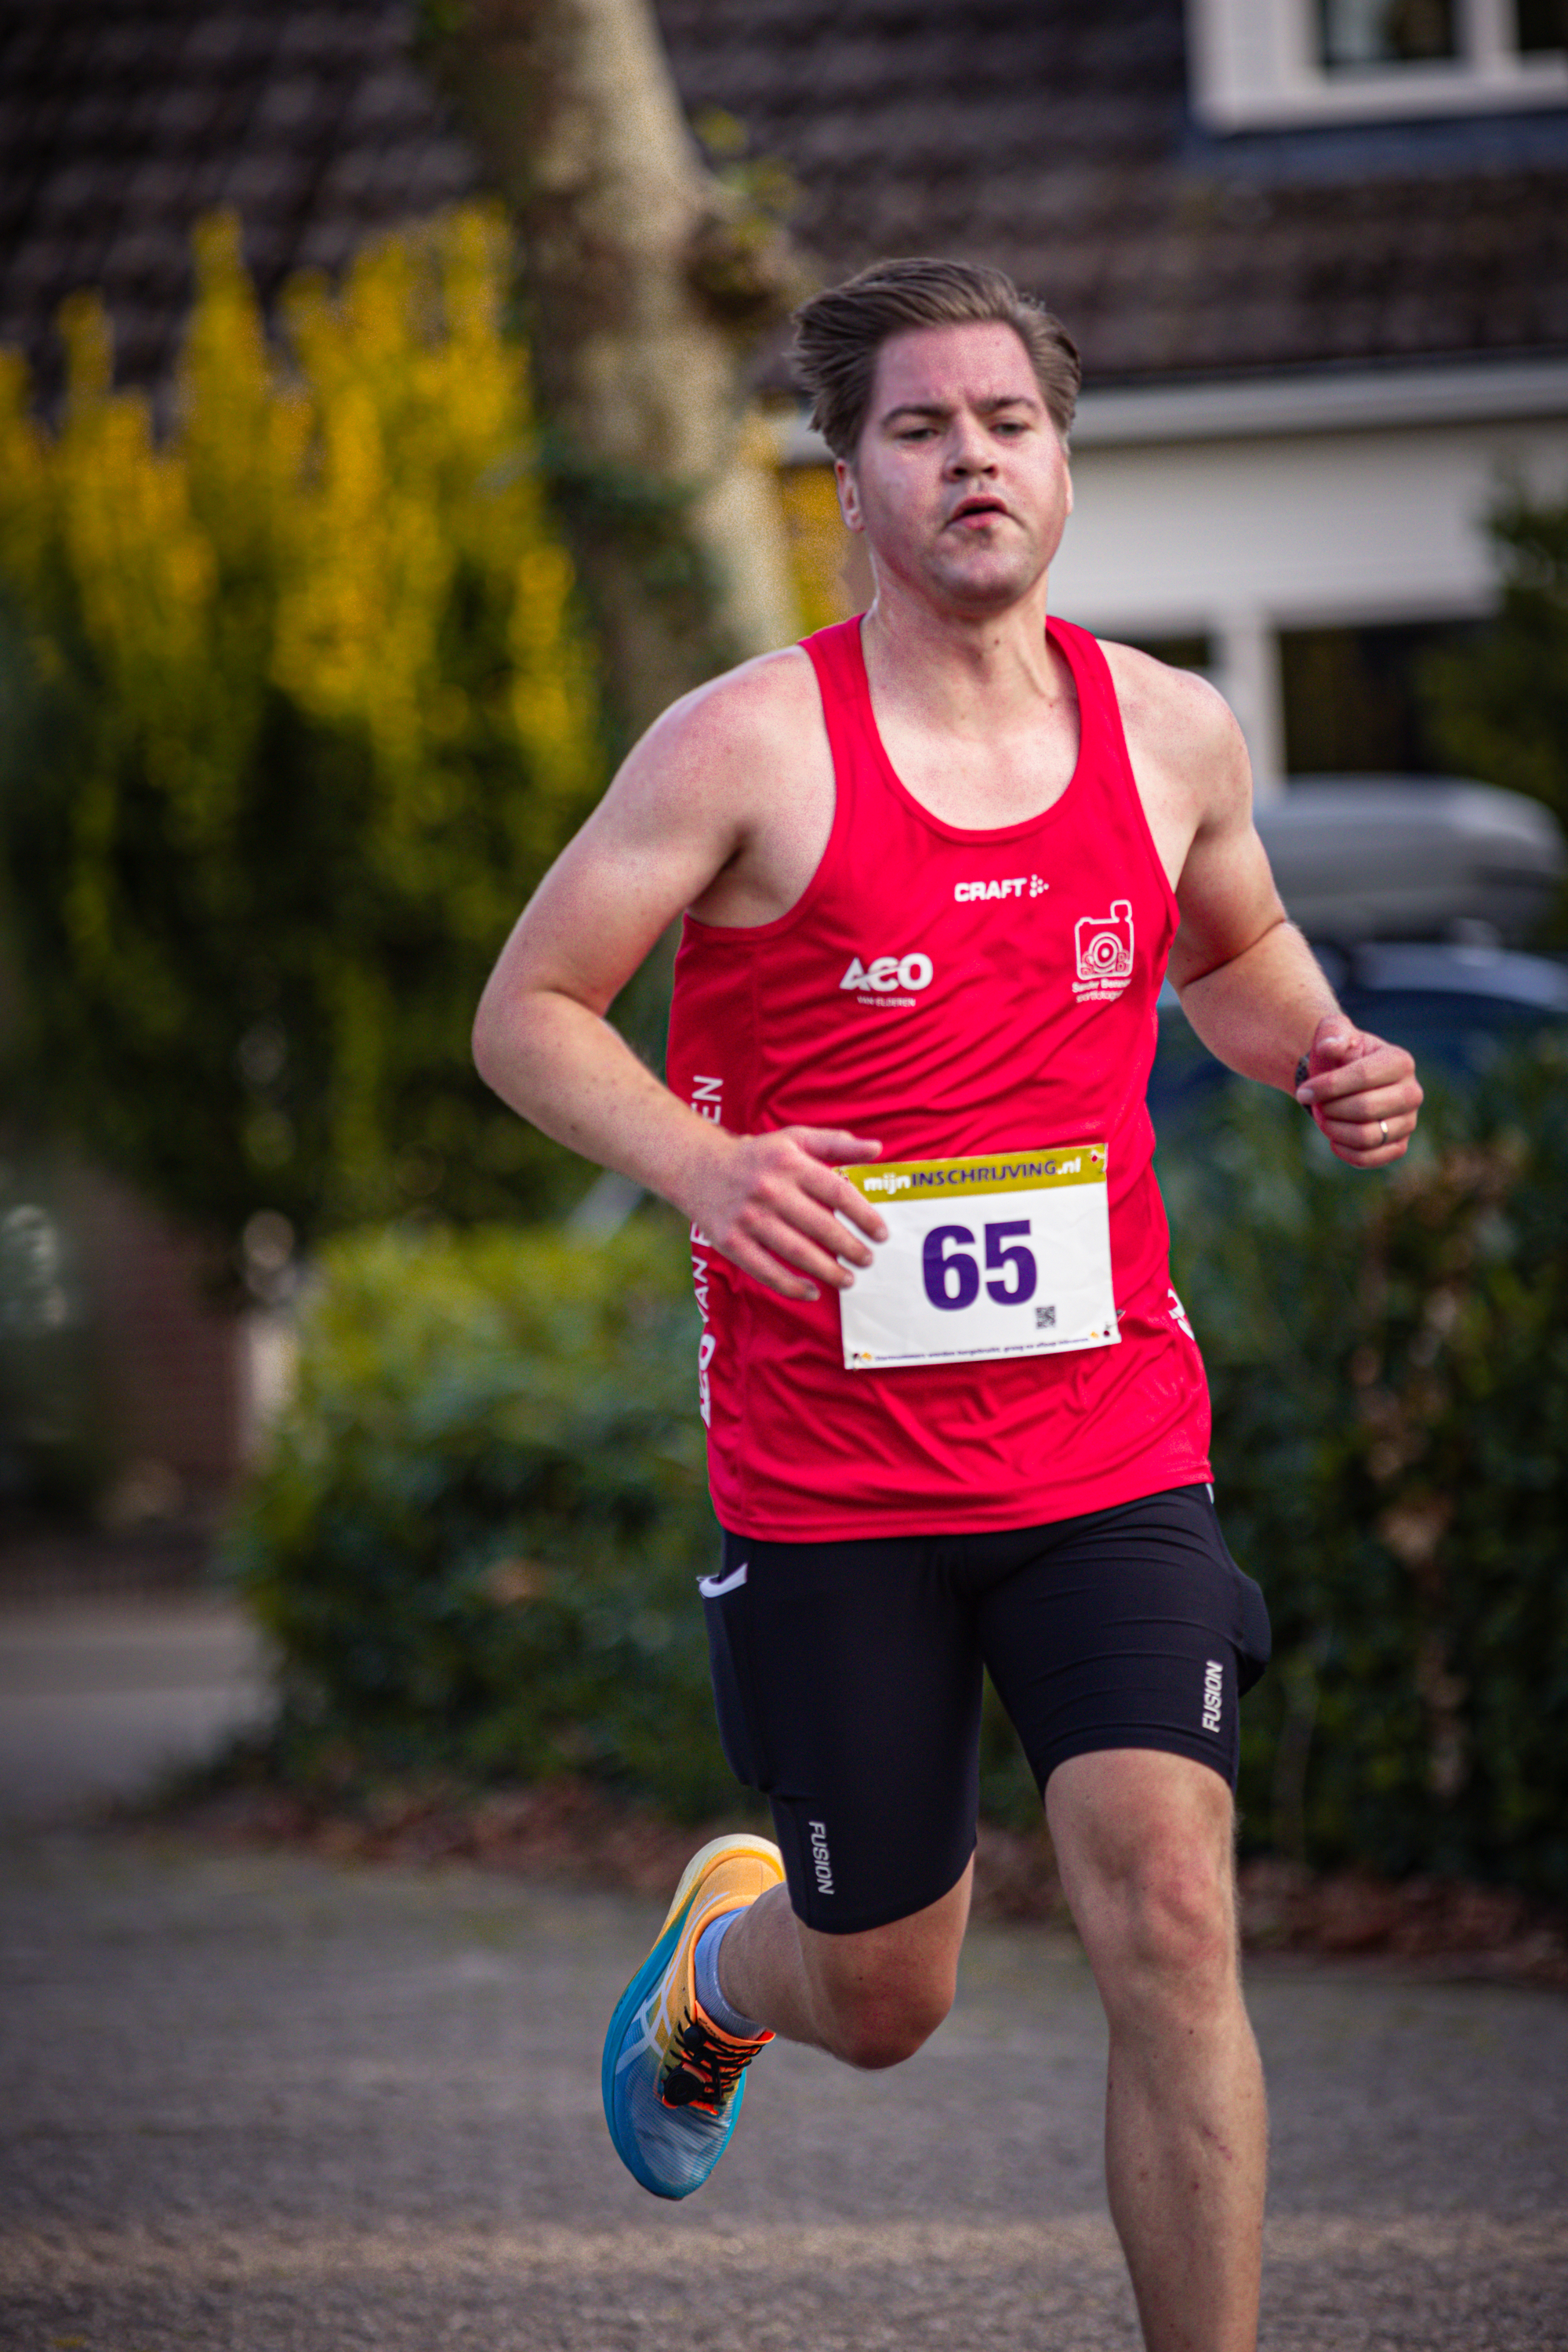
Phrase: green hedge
(477, 1537)
(1389, 1363)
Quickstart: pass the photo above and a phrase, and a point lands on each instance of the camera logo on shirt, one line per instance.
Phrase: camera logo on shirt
(1104, 953)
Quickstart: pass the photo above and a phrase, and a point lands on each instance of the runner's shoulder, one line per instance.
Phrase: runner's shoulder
(739, 726)
(1176, 719)
(1155, 694)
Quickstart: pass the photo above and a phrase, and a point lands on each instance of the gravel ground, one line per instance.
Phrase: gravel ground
(257, 2103)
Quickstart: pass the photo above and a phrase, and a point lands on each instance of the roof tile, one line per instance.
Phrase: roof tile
(1054, 140)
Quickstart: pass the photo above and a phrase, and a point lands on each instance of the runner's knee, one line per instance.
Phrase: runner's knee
(1144, 1841)
(1166, 1923)
(878, 2012)
(874, 2033)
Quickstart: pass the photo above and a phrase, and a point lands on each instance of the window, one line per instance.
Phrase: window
(1356, 701)
(1352, 34)
(1272, 63)
(1181, 653)
(1542, 25)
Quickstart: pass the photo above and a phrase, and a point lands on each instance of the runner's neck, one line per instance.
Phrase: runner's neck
(980, 724)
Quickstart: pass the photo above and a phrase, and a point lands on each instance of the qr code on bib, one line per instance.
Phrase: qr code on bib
(1045, 1317)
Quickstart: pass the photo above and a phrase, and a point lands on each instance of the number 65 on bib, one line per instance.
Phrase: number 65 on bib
(1007, 1255)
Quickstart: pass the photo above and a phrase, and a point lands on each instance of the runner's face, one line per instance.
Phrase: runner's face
(960, 482)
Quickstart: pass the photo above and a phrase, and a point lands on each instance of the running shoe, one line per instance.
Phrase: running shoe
(673, 2081)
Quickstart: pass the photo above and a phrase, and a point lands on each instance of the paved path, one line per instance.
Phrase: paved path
(99, 1697)
(255, 2103)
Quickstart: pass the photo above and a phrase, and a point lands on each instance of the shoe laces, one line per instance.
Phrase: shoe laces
(706, 2064)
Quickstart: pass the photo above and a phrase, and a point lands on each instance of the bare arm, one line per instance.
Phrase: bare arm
(676, 816)
(1251, 986)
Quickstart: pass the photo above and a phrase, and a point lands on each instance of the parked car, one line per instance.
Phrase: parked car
(1419, 896)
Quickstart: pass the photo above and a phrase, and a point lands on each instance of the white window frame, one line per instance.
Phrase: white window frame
(1253, 65)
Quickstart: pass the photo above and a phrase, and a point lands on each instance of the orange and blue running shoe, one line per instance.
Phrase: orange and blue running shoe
(673, 2080)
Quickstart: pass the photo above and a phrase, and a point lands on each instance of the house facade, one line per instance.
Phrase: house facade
(1315, 254)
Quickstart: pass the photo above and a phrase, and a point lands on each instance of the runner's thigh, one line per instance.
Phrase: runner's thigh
(847, 1679)
(1127, 1628)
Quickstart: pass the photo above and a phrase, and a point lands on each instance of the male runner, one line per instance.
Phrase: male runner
(933, 865)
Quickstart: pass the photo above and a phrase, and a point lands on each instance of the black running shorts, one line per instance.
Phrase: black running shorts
(847, 1679)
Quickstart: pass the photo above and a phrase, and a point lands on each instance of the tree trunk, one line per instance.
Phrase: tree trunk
(641, 273)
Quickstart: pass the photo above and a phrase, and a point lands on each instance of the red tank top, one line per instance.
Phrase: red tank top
(952, 991)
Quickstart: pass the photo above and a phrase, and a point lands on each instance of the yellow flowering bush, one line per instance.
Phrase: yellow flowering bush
(297, 708)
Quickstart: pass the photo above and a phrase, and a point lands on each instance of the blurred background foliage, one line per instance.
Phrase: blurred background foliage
(1498, 704)
(1389, 1367)
(477, 1539)
(295, 707)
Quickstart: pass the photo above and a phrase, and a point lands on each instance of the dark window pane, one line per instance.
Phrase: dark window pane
(1182, 653)
(1353, 698)
(1359, 33)
(1543, 23)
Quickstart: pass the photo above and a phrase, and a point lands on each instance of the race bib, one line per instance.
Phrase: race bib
(1009, 1255)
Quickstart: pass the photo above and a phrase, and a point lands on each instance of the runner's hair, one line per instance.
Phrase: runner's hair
(840, 333)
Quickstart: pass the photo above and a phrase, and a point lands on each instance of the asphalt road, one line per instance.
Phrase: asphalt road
(252, 2103)
(99, 1697)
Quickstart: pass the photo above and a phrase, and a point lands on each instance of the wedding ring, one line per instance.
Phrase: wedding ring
(1383, 1123)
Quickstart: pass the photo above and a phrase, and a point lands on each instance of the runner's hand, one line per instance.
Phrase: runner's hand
(774, 1204)
(1358, 1089)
